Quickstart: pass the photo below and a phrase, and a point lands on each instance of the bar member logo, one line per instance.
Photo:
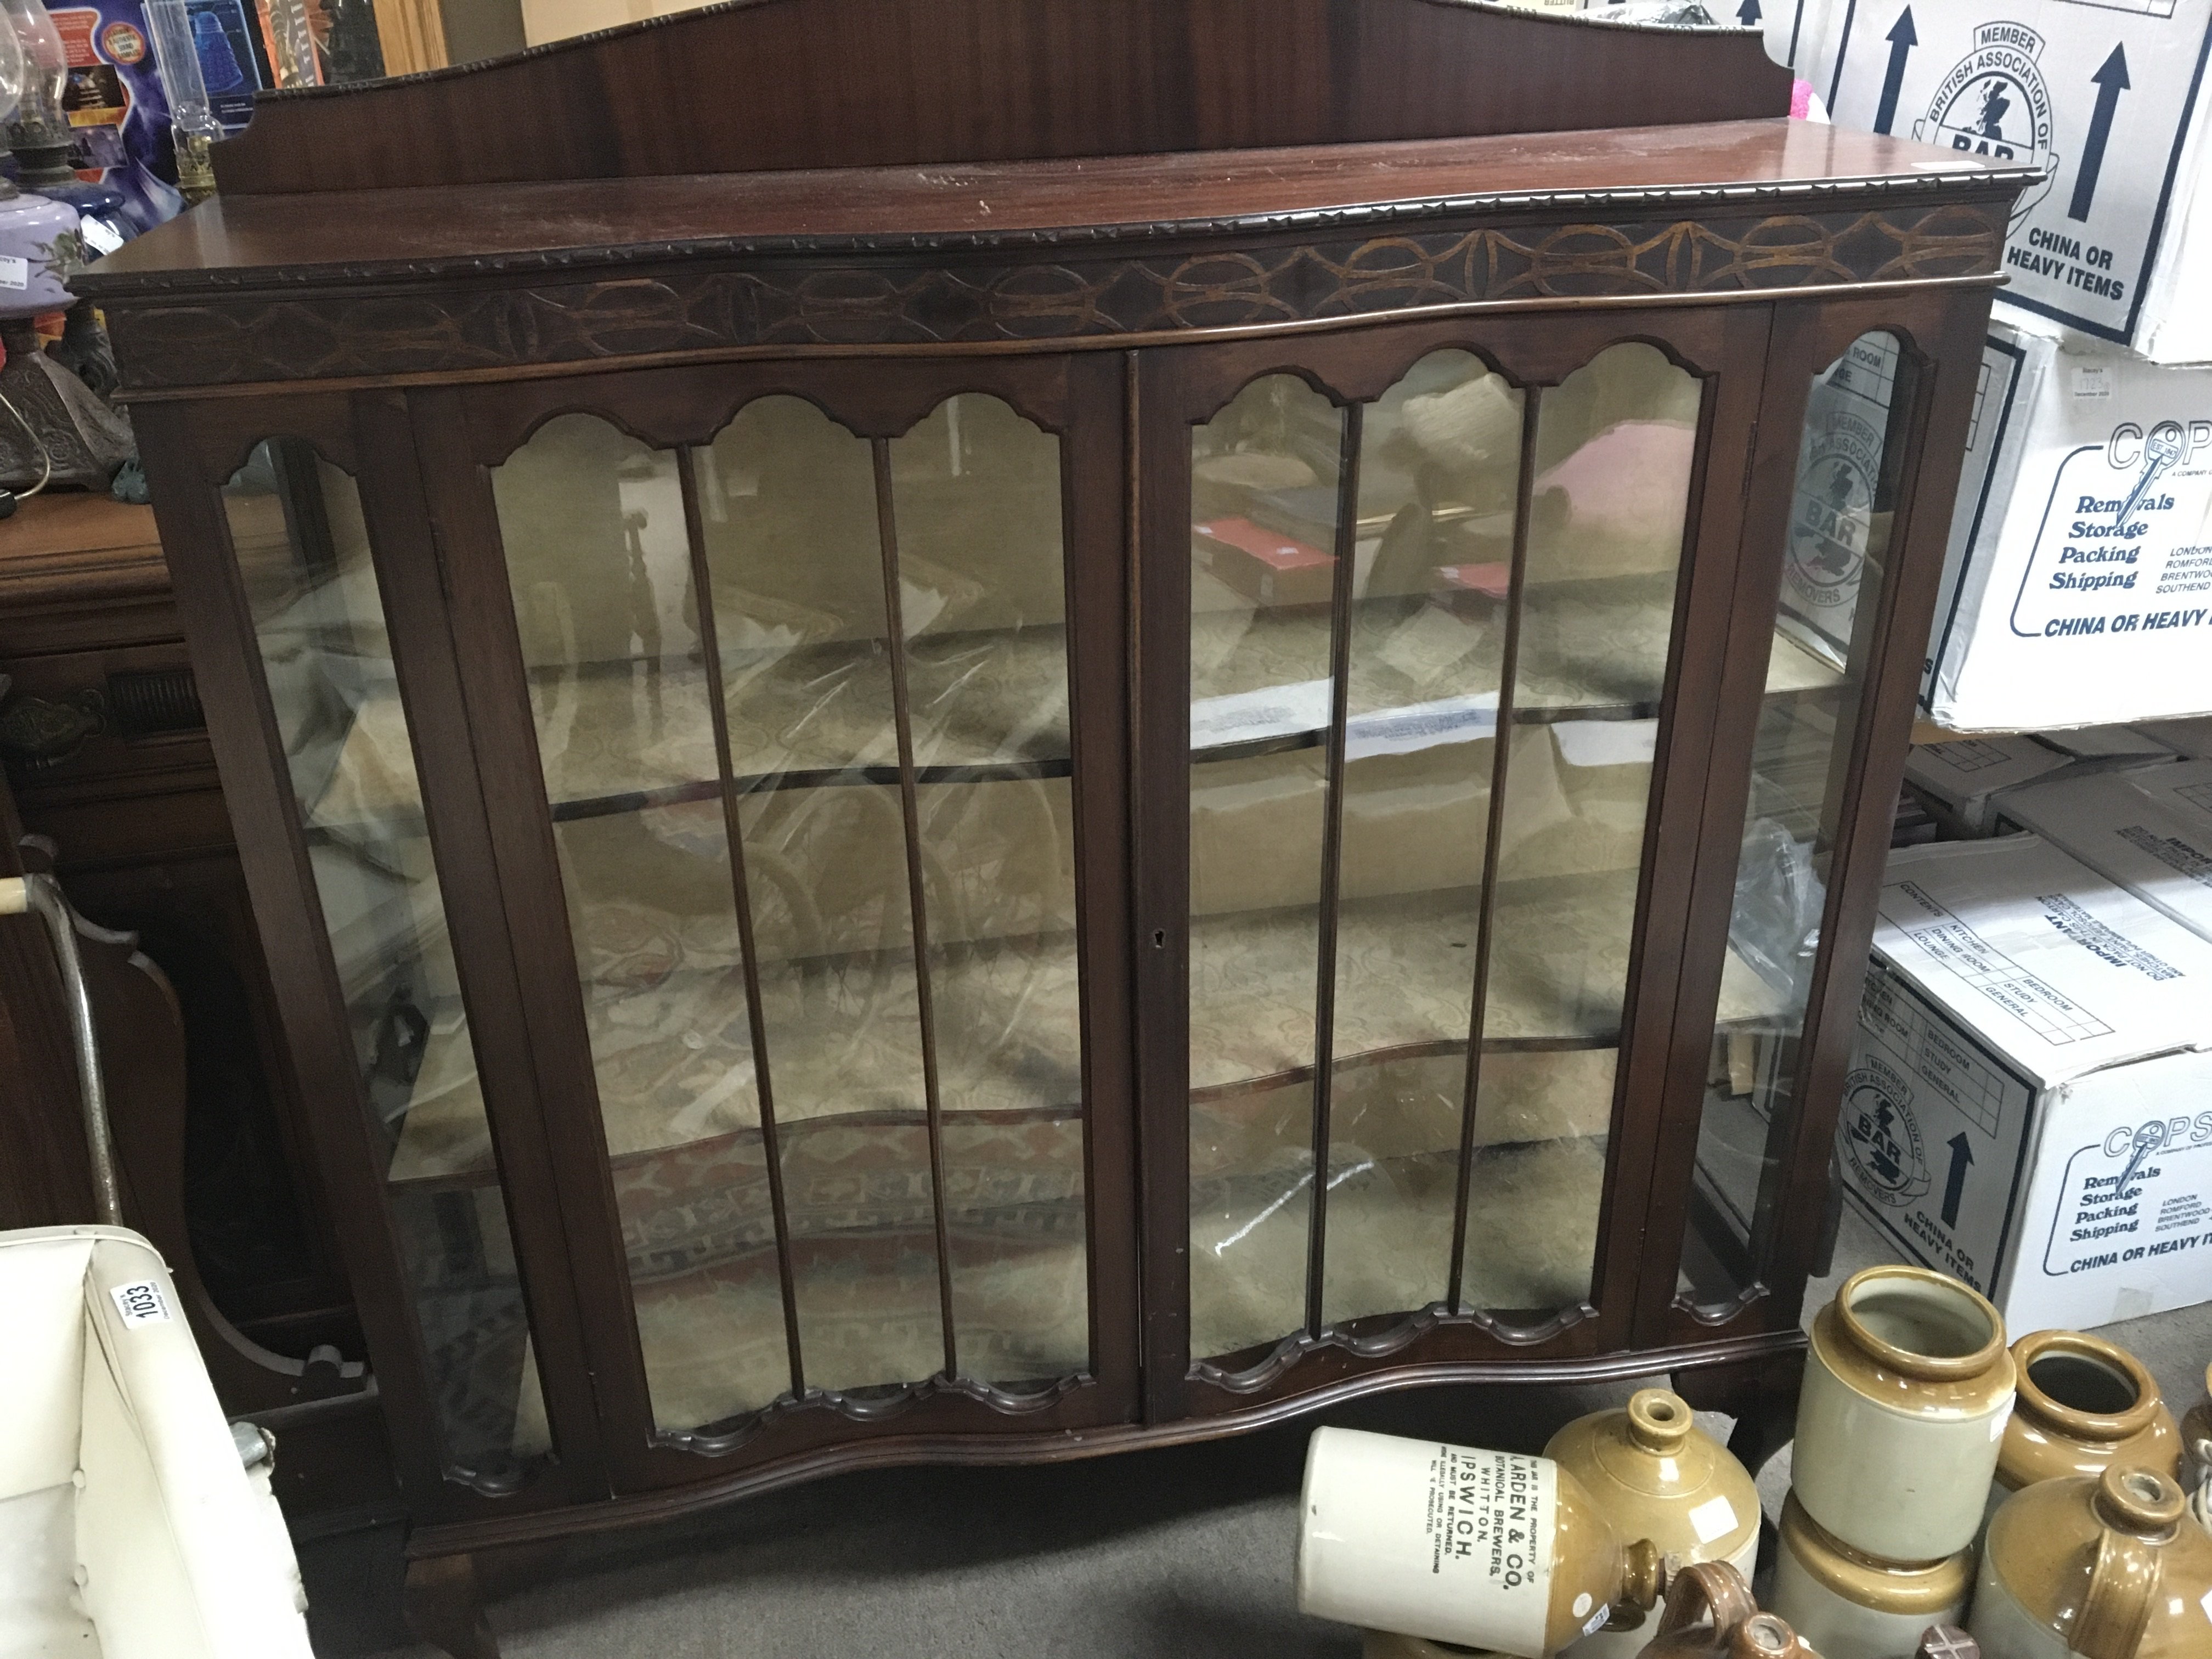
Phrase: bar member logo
(1880, 1137)
(1994, 103)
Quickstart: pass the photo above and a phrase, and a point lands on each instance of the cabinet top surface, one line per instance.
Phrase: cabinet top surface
(466, 230)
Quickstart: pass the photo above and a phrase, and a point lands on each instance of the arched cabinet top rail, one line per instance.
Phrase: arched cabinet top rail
(768, 85)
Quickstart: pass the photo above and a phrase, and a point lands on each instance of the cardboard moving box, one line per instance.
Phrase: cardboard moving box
(2103, 93)
(2077, 588)
(2150, 831)
(2029, 1105)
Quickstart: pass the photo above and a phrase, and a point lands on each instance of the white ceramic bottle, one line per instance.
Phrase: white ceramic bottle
(1484, 1549)
(1907, 1393)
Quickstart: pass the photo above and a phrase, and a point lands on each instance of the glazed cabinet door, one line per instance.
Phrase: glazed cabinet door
(299, 539)
(798, 693)
(1844, 538)
(1432, 618)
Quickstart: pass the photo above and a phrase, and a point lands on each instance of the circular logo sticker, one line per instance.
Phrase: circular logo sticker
(1834, 511)
(123, 44)
(1994, 103)
(1877, 1134)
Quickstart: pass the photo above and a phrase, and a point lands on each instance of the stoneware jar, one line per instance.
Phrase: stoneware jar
(1850, 1605)
(2084, 1404)
(1483, 1549)
(1706, 1605)
(1907, 1392)
(1389, 1645)
(1709, 1614)
(1657, 1475)
(2105, 1567)
(2196, 1453)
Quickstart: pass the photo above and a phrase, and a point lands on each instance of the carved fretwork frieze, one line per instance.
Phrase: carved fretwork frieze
(472, 320)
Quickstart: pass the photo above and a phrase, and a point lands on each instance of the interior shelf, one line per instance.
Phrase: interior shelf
(676, 1065)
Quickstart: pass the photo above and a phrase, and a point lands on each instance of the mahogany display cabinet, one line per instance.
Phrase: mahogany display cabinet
(991, 734)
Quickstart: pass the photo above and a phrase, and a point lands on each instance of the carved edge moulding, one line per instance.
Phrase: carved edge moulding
(677, 303)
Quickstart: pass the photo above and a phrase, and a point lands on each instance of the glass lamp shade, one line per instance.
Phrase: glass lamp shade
(45, 66)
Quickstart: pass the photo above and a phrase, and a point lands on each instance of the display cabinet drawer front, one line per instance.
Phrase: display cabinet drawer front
(802, 706)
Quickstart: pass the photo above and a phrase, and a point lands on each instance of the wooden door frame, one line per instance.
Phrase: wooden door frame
(1726, 345)
(1940, 331)
(462, 433)
(191, 449)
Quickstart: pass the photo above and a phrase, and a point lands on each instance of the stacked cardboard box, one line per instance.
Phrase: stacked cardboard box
(2026, 1106)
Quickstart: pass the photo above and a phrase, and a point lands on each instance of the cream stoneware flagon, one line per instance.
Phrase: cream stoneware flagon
(1483, 1549)
(1850, 1605)
(1657, 1475)
(1907, 1393)
(2108, 1567)
(2084, 1404)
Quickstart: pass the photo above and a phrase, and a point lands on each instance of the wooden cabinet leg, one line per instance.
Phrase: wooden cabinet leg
(1761, 1394)
(443, 1605)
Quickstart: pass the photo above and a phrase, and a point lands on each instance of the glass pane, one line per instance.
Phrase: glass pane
(1615, 449)
(297, 529)
(1264, 505)
(599, 565)
(1439, 466)
(975, 489)
(787, 504)
(1849, 460)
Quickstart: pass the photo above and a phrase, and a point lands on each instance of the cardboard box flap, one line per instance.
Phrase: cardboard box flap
(2149, 830)
(1967, 768)
(2057, 968)
(2192, 737)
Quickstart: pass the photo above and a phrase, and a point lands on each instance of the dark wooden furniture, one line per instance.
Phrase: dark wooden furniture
(106, 747)
(860, 653)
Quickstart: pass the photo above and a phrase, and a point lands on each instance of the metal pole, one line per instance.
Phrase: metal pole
(42, 894)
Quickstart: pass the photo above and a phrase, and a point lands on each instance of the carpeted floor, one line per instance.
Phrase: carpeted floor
(1185, 1552)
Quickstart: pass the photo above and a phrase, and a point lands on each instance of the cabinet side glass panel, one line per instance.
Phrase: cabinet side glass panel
(1614, 455)
(1265, 499)
(302, 550)
(1850, 461)
(1439, 466)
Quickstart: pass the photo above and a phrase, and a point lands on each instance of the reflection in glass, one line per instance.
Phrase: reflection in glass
(1849, 459)
(1382, 916)
(302, 550)
(1439, 469)
(1265, 497)
(1615, 447)
(764, 1028)
(600, 564)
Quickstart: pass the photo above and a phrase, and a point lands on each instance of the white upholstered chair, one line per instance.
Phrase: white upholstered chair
(129, 1527)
